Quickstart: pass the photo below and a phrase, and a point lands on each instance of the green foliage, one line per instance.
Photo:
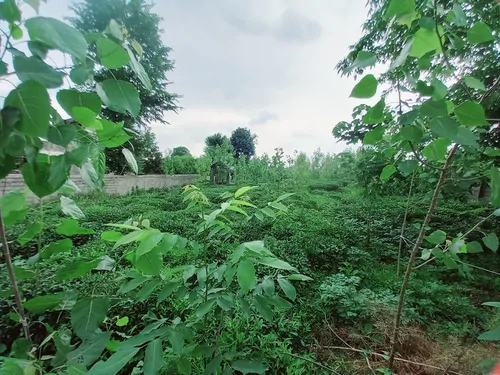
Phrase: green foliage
(243, 142)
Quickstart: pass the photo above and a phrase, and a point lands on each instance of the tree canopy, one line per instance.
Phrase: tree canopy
(180, 151)
(243, 142)
(216, 139)
(135, 19)
(143, 26)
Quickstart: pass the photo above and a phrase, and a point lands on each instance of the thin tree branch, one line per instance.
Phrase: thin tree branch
(416, 248)
(13, 281)
(397, 358)
(403, 227)
(445, 58)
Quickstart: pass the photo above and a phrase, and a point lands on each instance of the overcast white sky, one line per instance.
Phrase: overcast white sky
(268, 65)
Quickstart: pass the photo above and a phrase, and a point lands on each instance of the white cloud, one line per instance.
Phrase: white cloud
(267, 65)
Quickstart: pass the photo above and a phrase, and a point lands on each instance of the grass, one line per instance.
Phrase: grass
(330, 235)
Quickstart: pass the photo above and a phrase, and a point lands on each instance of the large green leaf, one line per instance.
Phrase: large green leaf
(493, 335)
(146, 291)
(70, 227)
(44, 179)
(129, 156)
(474, 83)
(111, 54)
(246, 275)
(150, 263)
(31, 68)
(480, 33)
(471, 113)
(138, 69)
(114, 363)
(32, 99)
(495, 186)
(167, 290)
(90, 350)
(58, 35)
(412, 133)
(41, 304)
(458, 16)
(243, 190)
(30, 233)
(87, 314)
(153, 359)
(9, 11)
(276, 263)
(120, 96)
(62, 246)
(437, 237)
(13, 206)
(399, 8)
(364, 59)
(249, 367)
(474, 247)
(407, 167)
(440, 89)
(434, 108)
(491, 242)
(76, 268)
(23, 273)
(136, 235)
(10, 117)
(112, 135)
(374, 136)
(69, 207)
(444, 127)
(387, 172)
(86, 117)
(148, 243)
(263, 308)
(375, 115)
(61, 134)
(436, 150)
(90, 176)
(366, 88)
(213, 365)
(68, 99)
(425, 41)
(287, 288)
(466, 137)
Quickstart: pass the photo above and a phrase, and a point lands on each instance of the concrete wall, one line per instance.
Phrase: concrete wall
(116, 185)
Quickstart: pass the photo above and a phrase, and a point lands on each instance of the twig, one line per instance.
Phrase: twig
(447, 370)
(12, 276)
(335, 333)
(445, 58)
(403, 227)
(396, 358)
(490, 90)
(416, 248)
(369, 365)
(313, 362)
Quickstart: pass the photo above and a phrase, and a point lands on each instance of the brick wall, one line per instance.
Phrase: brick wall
(116, 185)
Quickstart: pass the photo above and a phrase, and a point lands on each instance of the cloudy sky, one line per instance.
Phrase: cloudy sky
(263, 64)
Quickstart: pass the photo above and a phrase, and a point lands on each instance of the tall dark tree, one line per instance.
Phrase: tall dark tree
(135, 17)
(180, 151)
(243, 142)
(142, 26)
(216, 139)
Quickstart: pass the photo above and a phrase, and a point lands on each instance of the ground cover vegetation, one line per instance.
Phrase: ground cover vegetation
(378, 260)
